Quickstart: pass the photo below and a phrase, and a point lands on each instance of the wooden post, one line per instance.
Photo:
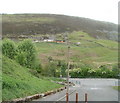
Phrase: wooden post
(76, 97)
(86, 98)
(66, 97)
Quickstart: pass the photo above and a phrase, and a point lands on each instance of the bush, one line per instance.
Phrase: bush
(76, 72)
(55, 68)
(62, 66)
(94, 73)
(115, 70)
(21, 58)
(26, 53)
(8, 48)
(52, 68)
(37, 66)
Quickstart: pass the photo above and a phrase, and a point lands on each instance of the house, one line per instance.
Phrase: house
(48, 40)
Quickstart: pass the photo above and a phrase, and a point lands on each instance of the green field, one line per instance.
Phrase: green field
(91, 51)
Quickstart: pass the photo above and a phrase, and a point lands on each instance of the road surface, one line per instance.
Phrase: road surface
(96, 89)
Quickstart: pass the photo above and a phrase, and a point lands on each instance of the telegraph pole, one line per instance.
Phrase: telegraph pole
(68, 57)
(68, 66)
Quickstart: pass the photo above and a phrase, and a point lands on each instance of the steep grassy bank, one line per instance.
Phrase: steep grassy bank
(19, 82)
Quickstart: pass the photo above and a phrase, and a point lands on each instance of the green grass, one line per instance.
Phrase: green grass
(108, 43)
(81, 52)
(89, 51)
(19, 82)
(116, 88)
(79, 35)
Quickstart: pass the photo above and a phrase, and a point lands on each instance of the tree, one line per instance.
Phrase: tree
(26, 52)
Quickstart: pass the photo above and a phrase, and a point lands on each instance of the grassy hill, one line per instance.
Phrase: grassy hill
(95, 52)
(35, 24)
(19, 82)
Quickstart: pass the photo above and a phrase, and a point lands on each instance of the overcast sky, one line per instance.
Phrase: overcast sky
(103, 10)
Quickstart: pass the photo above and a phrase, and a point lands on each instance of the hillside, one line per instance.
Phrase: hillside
(19, 82)
(93, 45)
(34, 24)
(95, 52)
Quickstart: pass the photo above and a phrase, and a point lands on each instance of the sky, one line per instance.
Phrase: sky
(103, 10)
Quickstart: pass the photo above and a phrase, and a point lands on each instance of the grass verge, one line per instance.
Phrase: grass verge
(116, 88)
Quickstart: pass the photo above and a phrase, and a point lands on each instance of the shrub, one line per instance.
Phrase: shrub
(76, 72)
(115, 70)
(50, 69)
(8, 48)
(21, 58)
(94, 73)
(37, 66)
(55, 68)
(26, 52)
(63, 67)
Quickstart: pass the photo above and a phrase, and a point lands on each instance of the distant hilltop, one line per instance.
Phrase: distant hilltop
(34, 24)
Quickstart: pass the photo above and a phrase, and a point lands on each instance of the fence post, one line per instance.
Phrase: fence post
(66, 97)
(86, 98)
(76, 97)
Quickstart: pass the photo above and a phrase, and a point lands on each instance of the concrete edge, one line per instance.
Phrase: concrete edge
(36, 96)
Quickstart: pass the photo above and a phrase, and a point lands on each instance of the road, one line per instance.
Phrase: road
(96, 89)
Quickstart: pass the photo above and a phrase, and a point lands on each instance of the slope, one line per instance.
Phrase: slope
(92, 51)
(19, 82)
(34, 24)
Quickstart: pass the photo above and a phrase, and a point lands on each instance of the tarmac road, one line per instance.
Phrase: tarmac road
(96, 89)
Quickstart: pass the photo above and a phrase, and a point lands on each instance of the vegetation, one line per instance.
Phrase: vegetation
(26, 53)
(29, 67)
(52, 57)
(86, 53)
(35, 24)
(19, 82)
(92, 52)
(86, 72)
(117, 88)
(8, 48)
(55, 69)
